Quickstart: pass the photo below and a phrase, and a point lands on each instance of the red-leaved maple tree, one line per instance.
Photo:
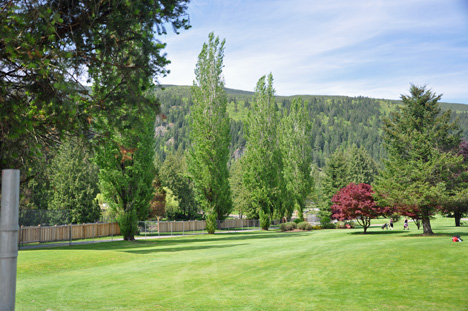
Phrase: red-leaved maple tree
(356, 202)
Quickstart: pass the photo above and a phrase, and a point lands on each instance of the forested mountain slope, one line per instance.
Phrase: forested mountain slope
(338, 121)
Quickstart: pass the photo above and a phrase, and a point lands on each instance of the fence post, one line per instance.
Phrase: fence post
(9, 238)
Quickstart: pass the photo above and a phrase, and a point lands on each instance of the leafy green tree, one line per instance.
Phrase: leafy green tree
(261, 163)
(74, 182)
(457, 185)
(174, 175)
(240, 195)
(46, 49)
(419, 139)
(297, 153)
(127, 172)
(209, 135)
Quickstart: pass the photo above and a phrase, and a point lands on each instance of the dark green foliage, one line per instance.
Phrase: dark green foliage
(304, 226)
(297, 221)
(325, 220)
(264, 220)
(74, 182)
(174, 175)
(288, 226)
(46, 46)
(420, 140)
(328, 226)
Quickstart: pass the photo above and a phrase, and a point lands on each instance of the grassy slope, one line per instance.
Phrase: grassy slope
(318, 270)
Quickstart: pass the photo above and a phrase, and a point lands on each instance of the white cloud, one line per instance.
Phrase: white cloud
(369, 48)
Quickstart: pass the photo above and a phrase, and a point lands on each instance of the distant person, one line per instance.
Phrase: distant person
(405, 225)
(391, 223)
(385, 226)
(457, 238)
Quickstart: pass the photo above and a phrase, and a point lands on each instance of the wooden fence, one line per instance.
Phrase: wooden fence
(66, 232)
(194, 225)
(44, 234)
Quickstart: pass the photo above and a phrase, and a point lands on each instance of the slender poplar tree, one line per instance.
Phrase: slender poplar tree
(262, 159)
(297, 154)
(209, 134)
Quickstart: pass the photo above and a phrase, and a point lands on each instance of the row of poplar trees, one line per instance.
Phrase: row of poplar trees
(276, 164)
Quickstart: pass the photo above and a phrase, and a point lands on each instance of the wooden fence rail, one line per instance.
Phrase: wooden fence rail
(66, 232)
(44, 234)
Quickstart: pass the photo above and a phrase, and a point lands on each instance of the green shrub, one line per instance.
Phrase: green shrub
(316, 227)
(304, 226)
(297, 221)
(288, 226)
(328, 226)
(211, 223)
(264, 220)
(325, 220)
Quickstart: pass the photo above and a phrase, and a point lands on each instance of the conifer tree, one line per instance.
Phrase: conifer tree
(419, 139)
(209, 133)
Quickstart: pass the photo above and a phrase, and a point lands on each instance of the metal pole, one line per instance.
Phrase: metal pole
(9, 238)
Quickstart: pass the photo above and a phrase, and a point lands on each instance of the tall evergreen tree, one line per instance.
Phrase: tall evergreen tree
(74, 182)
(261, 163)
(419, 139)
(209, 133)
(296, 152)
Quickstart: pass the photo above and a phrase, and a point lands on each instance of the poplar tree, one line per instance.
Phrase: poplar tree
(262, 159)
(296, 152)
(420, 140)
(209, 134)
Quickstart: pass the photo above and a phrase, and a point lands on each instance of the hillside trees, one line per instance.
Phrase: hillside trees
(420, 141)
(261, 163)
(209, 133)
(47, 47)
(296, 153)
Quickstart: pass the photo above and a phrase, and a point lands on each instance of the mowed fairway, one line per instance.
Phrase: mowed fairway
(317, 270)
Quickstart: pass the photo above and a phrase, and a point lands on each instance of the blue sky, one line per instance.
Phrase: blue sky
(333, 47)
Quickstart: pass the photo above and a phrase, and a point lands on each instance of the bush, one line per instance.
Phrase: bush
(128, 224)
(304, 226)
(328, 226)
(316, 227)
(288, 226)
(264, 220)
(211, 223)
(325, 220)
(297, 221)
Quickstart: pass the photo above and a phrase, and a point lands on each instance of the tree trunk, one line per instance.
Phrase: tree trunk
(426, 222)
(458, 216)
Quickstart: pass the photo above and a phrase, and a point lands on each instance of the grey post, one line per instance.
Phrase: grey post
(9, 238)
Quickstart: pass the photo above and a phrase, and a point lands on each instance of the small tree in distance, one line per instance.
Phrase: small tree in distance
(356, 202)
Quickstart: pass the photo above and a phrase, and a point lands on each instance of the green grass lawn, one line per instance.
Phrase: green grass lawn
(317, 270)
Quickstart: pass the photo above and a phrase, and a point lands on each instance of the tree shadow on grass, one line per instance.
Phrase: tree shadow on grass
(178, 249)
(127, 246)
